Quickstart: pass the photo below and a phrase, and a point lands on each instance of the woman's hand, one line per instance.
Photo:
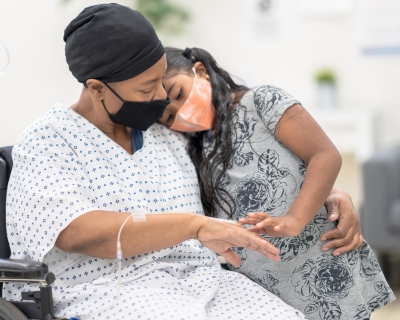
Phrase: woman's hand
(347, 235)
(263, 223)
(221, 236)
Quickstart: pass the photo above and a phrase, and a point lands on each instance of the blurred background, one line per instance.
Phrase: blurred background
(340, 58)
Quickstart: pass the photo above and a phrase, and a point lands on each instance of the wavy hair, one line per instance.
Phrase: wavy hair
(210, 164)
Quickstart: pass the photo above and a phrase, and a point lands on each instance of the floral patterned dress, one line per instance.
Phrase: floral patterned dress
(264, 176)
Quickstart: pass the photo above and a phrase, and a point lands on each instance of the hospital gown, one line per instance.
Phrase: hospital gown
(64, 167)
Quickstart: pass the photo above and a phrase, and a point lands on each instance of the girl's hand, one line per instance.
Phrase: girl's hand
(285, 226)
(221, 236)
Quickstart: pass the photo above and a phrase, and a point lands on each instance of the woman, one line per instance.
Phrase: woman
(266, 162)
(87, 185)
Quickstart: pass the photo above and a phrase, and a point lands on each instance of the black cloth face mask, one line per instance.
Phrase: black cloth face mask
(137, 115)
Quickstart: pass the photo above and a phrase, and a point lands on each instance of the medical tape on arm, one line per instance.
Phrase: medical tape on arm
(138, 217)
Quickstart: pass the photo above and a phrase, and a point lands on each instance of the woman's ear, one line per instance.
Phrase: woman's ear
(96, 88)
(201, 70)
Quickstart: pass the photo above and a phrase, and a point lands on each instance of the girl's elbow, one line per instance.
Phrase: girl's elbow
(338, 160)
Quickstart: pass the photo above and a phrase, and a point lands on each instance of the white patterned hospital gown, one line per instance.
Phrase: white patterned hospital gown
(64, 167)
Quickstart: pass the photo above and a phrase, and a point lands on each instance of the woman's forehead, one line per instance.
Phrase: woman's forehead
(150, 76)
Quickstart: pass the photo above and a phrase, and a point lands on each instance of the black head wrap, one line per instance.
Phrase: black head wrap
(111, 43)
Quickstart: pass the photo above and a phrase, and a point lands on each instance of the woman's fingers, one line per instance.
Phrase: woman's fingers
(253, 241)
(332, 208)
(338, 244)
(357, 241)
(273, 257)
(343, 243)
(221, 236)
(270, 252)
(333, 234)
(268, 246)
(347, 236)
(231, 257)
(343, 229)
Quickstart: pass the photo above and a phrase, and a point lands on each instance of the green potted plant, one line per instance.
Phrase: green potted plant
(166, 17)
(326, 81)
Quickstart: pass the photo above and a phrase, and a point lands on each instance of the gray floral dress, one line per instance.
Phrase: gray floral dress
(264, 176)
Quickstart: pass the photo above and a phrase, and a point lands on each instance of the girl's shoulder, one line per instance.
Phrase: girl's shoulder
(266, 95)
(269, 103)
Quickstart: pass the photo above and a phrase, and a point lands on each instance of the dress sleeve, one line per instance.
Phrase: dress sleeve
(271, 103)
(47, 190)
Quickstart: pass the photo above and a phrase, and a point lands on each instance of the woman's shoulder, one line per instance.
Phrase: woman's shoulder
(55, 120)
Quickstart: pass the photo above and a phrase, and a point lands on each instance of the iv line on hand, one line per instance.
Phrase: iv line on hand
(136, 217)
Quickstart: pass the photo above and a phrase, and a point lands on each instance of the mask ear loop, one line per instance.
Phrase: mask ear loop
(195, 74)
(194, 71)
(8, 57)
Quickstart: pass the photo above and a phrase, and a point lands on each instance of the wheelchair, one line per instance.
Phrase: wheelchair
(34, 305)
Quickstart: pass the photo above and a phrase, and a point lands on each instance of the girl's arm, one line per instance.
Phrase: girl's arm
(301, 134)
(95, 234)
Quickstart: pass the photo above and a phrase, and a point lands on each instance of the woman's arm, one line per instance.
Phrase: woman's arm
(347, 235)
(95, 234)
(301, 134)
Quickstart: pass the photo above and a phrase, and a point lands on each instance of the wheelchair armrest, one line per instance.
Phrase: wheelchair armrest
(24, 269)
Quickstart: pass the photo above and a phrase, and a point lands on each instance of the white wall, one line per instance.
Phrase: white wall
(365, 83)
(38, 74)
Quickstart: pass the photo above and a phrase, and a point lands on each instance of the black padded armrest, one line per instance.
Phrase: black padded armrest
(22, 269)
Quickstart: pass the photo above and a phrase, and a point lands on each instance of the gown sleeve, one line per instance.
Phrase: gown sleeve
(48, 189)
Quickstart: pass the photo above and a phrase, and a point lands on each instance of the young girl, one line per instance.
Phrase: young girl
(263, 160)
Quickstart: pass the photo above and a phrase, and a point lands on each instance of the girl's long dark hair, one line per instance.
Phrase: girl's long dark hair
(211, 165)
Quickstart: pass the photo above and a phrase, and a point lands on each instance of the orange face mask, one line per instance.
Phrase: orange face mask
(197, 113)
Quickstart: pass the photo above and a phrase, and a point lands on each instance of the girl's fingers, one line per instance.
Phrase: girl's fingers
(280, 227)
(256, 230)
(269, 222)
(251, 221)
(258, 215)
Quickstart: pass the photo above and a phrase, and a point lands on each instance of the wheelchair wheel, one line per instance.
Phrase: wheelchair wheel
(10, 312)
